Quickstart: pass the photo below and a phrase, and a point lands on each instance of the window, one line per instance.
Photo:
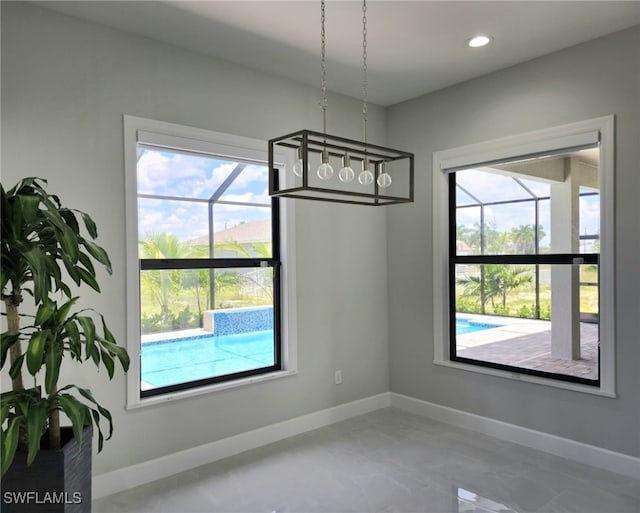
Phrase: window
(205, 267)
(526, 254)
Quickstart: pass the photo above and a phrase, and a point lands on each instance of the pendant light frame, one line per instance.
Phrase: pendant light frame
(310, 146)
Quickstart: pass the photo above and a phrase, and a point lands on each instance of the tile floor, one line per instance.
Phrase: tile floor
(386, 461)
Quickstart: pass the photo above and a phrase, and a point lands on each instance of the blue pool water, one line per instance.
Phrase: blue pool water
(464, 326)
(189, 359)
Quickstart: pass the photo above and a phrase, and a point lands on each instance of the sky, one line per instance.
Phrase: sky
(491, 187)
(190, 176)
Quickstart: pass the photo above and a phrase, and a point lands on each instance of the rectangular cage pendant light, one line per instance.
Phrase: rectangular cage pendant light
(318, 166)
(356, 175)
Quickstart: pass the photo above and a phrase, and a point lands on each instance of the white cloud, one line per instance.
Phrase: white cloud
(163, 173)
(153, 171)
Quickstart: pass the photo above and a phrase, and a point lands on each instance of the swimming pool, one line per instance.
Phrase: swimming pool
(189, 359)
(179, 360)
(464, 326)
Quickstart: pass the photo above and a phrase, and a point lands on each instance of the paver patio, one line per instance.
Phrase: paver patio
(527, 344)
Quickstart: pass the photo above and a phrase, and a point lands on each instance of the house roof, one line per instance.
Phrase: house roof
(244, 233)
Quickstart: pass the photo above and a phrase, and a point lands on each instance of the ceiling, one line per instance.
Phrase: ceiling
(414, 47)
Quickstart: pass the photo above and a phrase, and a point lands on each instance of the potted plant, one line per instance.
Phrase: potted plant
(45, 258)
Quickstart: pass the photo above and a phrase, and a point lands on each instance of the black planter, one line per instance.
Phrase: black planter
(56, 482)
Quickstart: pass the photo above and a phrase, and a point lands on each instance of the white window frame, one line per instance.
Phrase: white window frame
(539, 142)
(216, 143)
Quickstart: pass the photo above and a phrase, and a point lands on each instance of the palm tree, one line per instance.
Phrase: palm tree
(495, 281)
(472, 236)
(478, 286)
(495, 241)
(225, 279)
(259, 249)
(524, 238)
(165, 284)
(511, 279)
(199, 279)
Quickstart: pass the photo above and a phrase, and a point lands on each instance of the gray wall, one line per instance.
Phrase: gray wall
(590, 80)
(65, 85)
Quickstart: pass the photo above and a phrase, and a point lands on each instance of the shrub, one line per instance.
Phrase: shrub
(184, 319)
(545, 311)
(501, 310)
(468, 305)
(527, 312)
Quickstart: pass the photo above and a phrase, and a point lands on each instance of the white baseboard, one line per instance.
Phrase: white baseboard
(148, 471)
(563, 447)
(165, 466)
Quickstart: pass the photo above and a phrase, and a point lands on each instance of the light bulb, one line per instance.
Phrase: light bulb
(384, 178)
(346, 174)
(325, 171)
(365, 177)
(297, 167)
(299, 164)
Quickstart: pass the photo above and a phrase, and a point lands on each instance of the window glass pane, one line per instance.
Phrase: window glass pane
(176, 299)
(589, 291)
(544, 291)
(544, 226)
(171, 229)
(243, 287)
(500, 321)
(510, 229)
(462, 198)
(251, 185)
(241, 231)
(162, 172)
(201, 324)
(185, 199)
(173, 300)
(566, 213)
(537, 188)
(468, 231)
(468, 300)
(490, 187)
(589, 221)
(498, 289)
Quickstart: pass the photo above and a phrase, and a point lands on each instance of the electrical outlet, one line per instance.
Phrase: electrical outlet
(338, 377)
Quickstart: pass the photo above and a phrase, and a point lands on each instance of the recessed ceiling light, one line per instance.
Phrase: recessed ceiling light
(479, 41)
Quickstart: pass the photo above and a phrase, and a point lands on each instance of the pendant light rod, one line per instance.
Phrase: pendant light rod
(364, 70)
(323, 66)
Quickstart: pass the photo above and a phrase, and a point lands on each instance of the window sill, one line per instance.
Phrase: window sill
(217, 387)
(574, 387)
